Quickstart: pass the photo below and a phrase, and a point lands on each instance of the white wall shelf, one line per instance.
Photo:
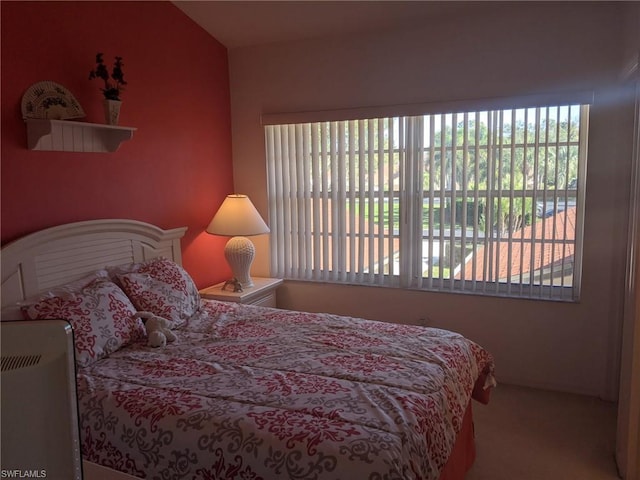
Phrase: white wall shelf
(70, 136)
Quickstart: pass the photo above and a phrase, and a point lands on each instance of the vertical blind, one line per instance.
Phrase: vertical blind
(488, 201)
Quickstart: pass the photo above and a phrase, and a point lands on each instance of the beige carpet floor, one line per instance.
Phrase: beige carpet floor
(528, 434)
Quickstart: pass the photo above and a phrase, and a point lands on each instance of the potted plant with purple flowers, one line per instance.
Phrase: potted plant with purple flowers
(113, 86)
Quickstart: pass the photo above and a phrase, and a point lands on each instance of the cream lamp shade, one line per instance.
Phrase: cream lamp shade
(238, 218)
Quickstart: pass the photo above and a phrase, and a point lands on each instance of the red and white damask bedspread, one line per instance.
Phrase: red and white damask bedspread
(253, 393)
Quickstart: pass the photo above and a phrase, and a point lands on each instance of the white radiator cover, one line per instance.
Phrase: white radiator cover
(39, 408)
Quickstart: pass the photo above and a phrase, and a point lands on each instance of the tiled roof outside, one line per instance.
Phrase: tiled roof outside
(525, 257)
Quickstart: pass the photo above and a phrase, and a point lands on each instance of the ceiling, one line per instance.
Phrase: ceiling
(249, 23)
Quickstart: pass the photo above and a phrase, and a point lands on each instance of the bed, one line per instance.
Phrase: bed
(245, 392)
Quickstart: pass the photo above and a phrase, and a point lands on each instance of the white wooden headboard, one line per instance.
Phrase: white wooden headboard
(61, 254)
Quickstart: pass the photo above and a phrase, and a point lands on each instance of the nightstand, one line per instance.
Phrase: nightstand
(262, 293)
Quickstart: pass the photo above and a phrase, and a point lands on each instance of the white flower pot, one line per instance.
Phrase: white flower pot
(112, 111)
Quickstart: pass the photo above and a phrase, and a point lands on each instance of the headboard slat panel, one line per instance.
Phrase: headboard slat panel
(82, 257)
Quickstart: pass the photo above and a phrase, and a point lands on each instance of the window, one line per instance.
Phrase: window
(486, 201)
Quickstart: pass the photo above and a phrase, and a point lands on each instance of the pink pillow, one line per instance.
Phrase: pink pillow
(162, 287)
(101, 316)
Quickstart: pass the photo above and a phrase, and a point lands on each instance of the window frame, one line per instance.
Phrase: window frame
(393, 279)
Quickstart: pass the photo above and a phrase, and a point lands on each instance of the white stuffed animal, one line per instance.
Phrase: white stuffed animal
(158, 329)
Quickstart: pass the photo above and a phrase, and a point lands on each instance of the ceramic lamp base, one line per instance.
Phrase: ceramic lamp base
(239, 252)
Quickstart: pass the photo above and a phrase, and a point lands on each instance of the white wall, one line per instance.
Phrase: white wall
(513, 50)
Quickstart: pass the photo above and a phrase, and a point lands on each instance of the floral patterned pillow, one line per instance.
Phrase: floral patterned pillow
(162, 287)
(101, 315)
(67, 289)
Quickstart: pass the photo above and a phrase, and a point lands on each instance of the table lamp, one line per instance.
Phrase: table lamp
(238, 218)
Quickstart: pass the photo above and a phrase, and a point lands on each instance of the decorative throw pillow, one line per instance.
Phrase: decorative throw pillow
(67, 289)
(101, 315)
(162, 287)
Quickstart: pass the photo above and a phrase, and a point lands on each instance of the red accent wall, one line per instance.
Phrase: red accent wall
(175, 171)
